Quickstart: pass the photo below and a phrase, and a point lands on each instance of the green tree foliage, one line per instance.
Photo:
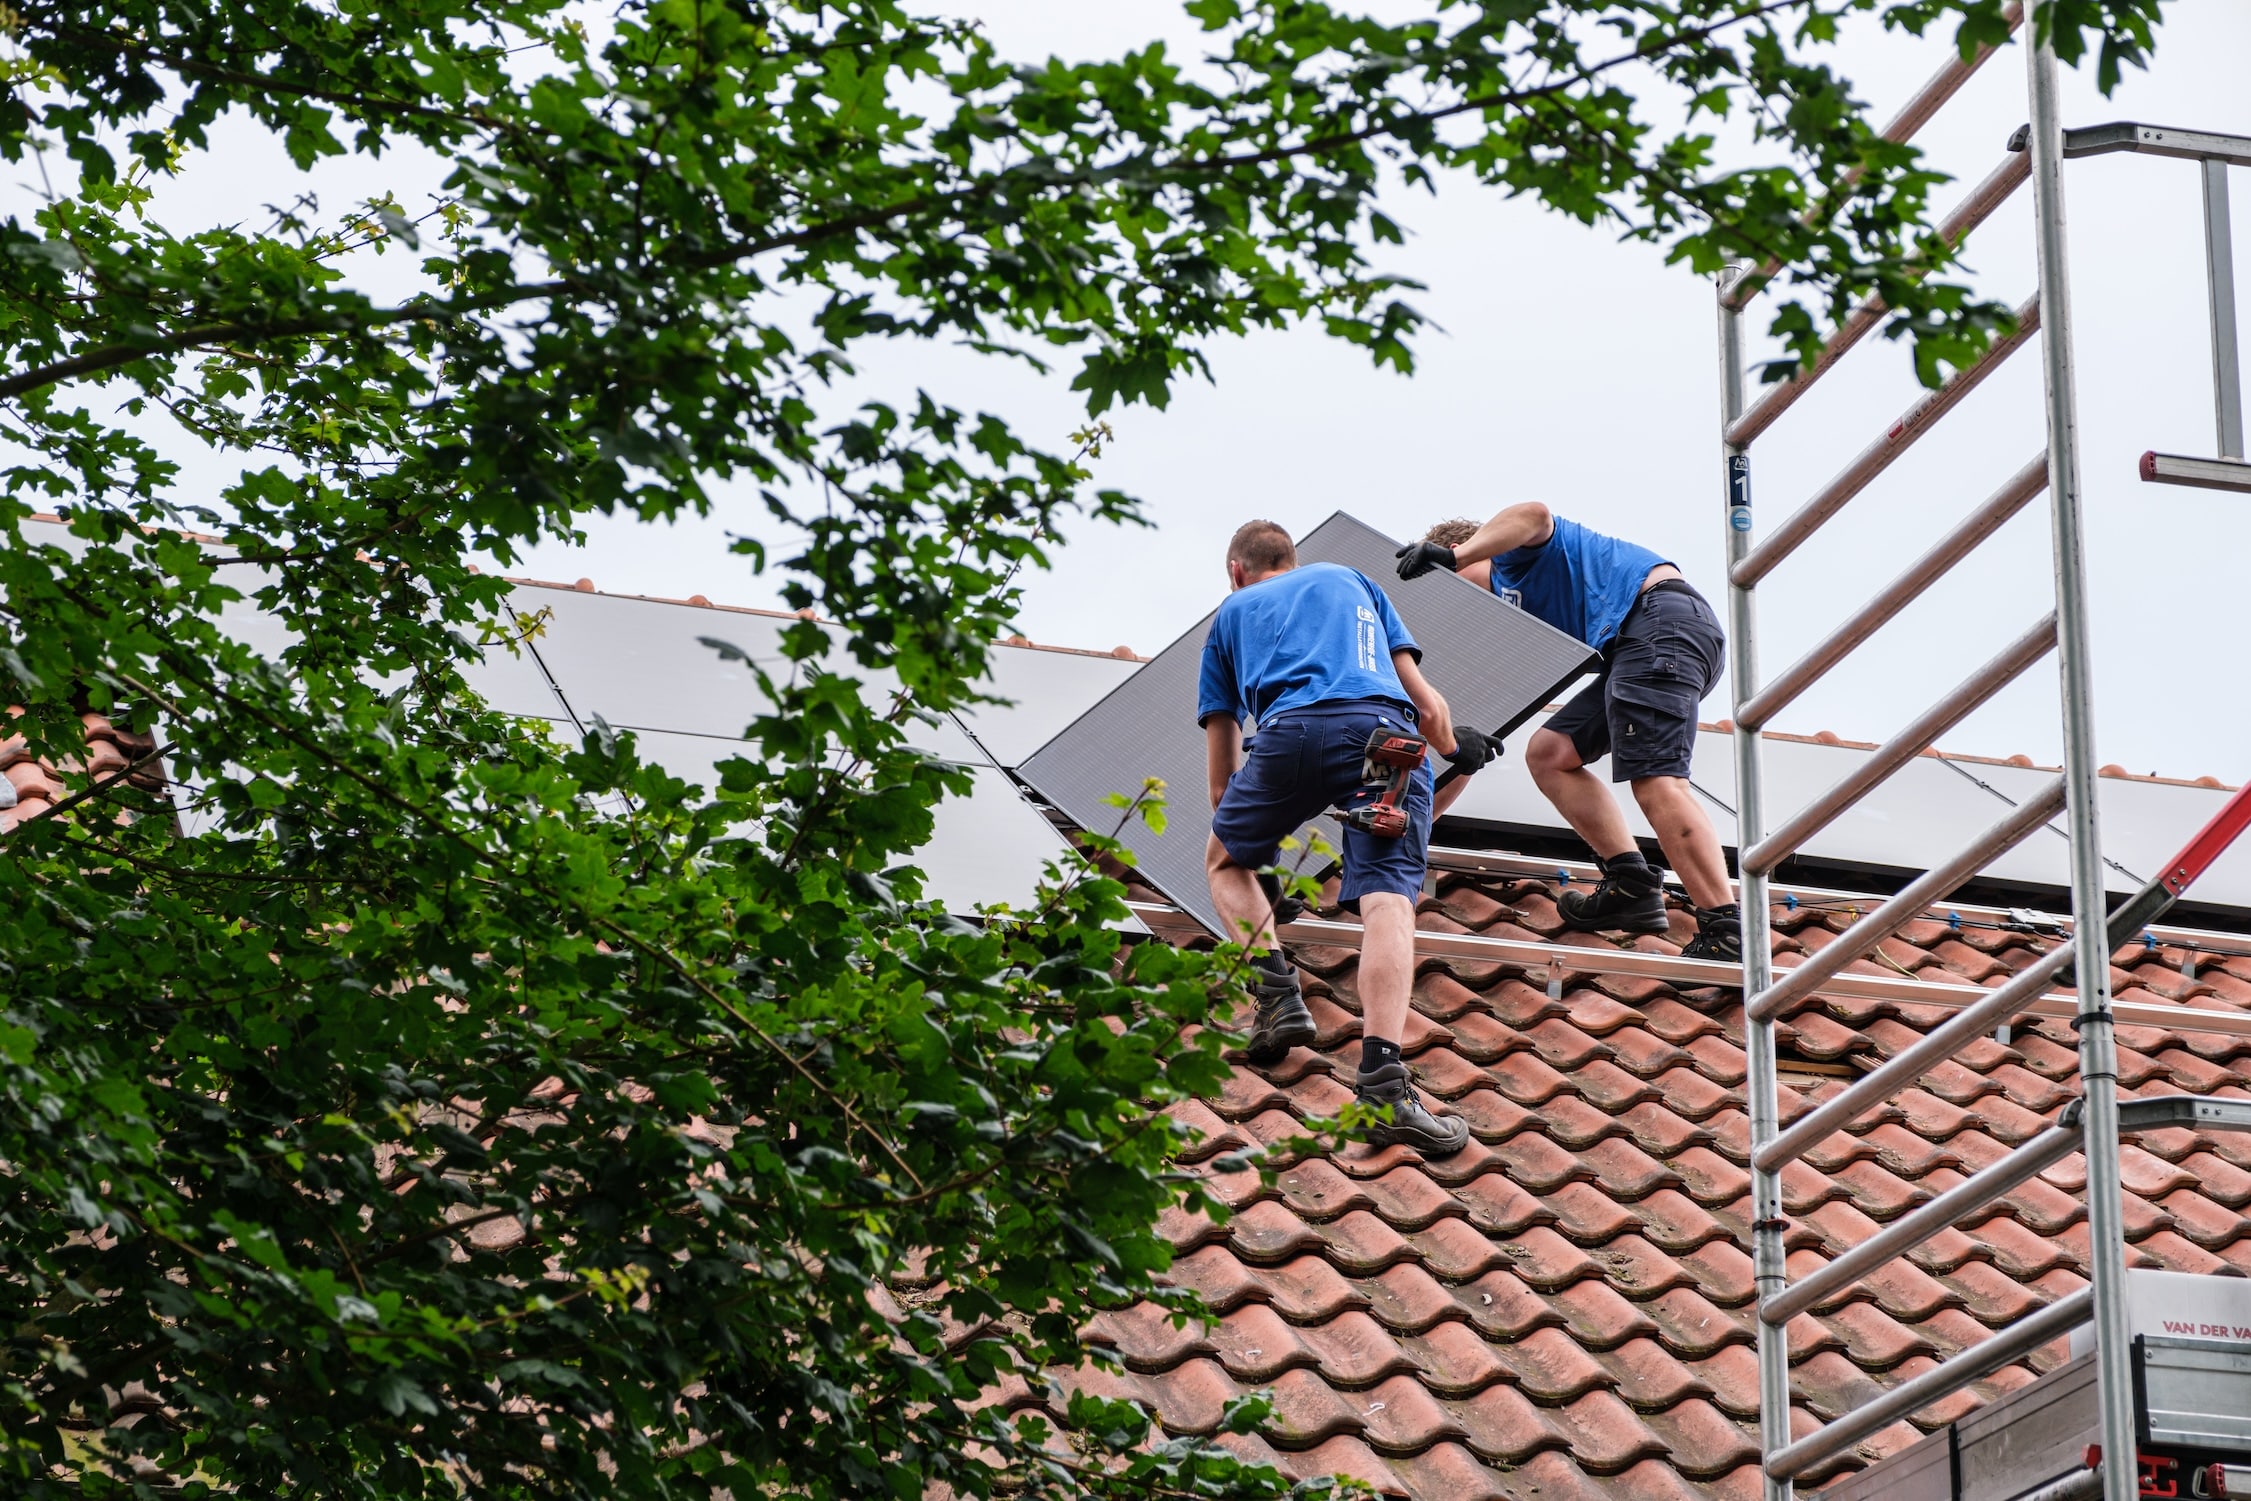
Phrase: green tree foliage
(788, 1166)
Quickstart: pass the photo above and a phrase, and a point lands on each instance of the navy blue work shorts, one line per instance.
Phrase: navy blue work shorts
(1641, 710)
(1307, 761)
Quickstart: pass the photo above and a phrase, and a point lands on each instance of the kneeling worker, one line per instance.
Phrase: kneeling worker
(1320, 659)
(1662, 649)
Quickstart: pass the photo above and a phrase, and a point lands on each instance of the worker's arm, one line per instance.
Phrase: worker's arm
(1525, 525)
(1223, 753)
(1432, 717)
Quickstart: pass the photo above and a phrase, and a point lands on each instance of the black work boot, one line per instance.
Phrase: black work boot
(1411, 1123)
(1282, 1022)
(1630, 898)
(1285, 908)
(1719, 934)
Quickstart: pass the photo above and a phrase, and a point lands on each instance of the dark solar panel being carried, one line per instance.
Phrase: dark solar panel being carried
(1495, 664)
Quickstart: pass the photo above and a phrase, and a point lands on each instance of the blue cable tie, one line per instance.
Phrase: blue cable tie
(1789, 901)
(1954, 922)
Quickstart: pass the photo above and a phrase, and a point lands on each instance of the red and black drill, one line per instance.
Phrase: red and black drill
(1389, 759)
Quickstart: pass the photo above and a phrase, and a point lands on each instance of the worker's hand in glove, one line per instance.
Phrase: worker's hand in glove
(1473, 750)
(1418, 558)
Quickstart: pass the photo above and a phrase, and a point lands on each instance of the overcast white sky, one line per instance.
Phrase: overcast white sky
(1579, 371)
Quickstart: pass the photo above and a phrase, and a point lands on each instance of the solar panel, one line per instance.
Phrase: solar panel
(1046, 691)
(1495, 664)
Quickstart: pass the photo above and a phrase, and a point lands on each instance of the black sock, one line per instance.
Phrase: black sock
(1732, 912)
(1274, 964)
(1631, 872)
(1375, 1052)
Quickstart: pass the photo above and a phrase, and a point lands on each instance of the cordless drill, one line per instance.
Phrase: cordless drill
(1389, 759)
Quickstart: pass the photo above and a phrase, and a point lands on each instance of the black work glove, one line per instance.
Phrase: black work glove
(1473, 751)
(1418, 558)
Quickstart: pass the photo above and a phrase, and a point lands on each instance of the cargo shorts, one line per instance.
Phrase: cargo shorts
(1641, 710)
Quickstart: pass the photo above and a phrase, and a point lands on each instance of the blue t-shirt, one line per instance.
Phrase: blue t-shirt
(1313, 635)
(1578, 580)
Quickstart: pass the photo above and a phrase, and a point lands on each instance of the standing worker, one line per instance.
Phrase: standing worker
(1320, 659)
(1662, 649)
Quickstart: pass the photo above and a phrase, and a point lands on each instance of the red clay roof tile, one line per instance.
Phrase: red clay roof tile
(1503, 1308)
(1691, 1325)
(1454, 1359)
(1499, 1207)
(1501, 1423)
(1721, 1270)
(1255, 1344)
(1538, 1164)
(1672, 1220)
(1689, 1094)
(1655, 1129)
(1599, 1318)
(1551, 1367)
(1267, 1234)
(1702, 1440)
(1647, 1378)
(1361, 1244)
(1306, 1411)
(1406, 1298)
(1354, 1351)
(2169, 1250)
(1638, 1269)
(1587, 1215)
(1882, 1194)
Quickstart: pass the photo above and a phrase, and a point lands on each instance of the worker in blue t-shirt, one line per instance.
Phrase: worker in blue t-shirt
(1662, 649)
(1318, 657)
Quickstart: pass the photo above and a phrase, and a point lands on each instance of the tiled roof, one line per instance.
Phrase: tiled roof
(1564, 1309)
(30, 786)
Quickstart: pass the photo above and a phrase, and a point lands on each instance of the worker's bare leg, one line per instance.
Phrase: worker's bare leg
(1234, 892)
(1387, 974)
(1279, 1020)
(1578, 794)
(1691, 847)
(1387, 963)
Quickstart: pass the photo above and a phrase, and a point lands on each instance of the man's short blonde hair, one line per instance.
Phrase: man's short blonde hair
(1452, 533)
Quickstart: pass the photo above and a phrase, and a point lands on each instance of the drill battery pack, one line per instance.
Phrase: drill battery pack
(1386, 763)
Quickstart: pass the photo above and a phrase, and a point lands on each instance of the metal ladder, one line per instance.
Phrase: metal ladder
(2092, 1123)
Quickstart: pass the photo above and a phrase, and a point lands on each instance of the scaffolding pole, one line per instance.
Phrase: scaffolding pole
(2098, 1049)
(1767, 1270)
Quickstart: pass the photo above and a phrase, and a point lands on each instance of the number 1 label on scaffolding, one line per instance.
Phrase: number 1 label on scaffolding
(1739, 492)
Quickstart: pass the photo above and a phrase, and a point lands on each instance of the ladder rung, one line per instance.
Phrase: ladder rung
(1878, 456)
(2204, 474)
(1912, 1229)
(1974, 1364)
(1895, 1072)
(1972, 211)
(1903, 591)
(1900, 909)
(1887, 758)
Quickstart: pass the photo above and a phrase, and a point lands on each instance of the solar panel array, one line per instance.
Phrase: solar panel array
(1495, 664)
(638, 663)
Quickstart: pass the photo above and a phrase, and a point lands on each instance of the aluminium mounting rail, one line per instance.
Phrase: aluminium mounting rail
(2093, 1123)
